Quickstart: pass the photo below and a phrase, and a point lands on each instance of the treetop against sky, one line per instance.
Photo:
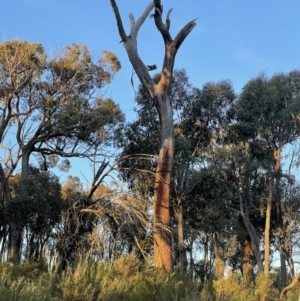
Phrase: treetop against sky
(232, 40)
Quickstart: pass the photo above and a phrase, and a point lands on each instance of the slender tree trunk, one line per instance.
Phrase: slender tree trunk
(14, 245)
(268, 226)
(181, 245)
(31, 248)
(16, 228)
(283, 272)
(191, 260)
(277, 175)
(3, 242)
(205, 246)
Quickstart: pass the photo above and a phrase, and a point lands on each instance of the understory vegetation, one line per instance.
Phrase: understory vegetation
(197, 198)
(124, 279)
(129, 280)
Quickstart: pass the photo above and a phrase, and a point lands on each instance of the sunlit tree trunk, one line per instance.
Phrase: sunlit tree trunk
(268, 227)
(162, 219)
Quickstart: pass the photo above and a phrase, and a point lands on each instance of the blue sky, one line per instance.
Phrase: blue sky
(233, 39)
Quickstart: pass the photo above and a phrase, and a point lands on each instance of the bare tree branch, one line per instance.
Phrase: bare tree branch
(163, 29)
(168, 21)
(96, 184)
(119, 20)
(183, 33)
(136, 26)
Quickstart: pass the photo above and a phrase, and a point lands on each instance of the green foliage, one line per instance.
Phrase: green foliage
(268, 107)
(265, 289)
(53, 109)
(208, 113)
(27, 283)
(293, 294)
(20, 62)
(59, 96)
(233, 288)
(41, 211)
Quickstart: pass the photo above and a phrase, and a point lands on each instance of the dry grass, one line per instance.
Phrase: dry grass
(125, 279)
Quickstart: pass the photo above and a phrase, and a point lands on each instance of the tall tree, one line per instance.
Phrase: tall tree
(159, 94)
(266, 112)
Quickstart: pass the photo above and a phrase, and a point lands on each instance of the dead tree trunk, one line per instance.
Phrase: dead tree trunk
(159, 93)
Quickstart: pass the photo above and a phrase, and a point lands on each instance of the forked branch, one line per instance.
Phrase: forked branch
(135, 26)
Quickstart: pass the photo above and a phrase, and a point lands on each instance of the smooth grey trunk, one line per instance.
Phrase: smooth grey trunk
(16, 227)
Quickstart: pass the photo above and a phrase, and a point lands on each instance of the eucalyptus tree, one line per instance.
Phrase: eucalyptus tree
(242, 173)
(160, 99)
(205, 122)
(54, 108)
(266, 111)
